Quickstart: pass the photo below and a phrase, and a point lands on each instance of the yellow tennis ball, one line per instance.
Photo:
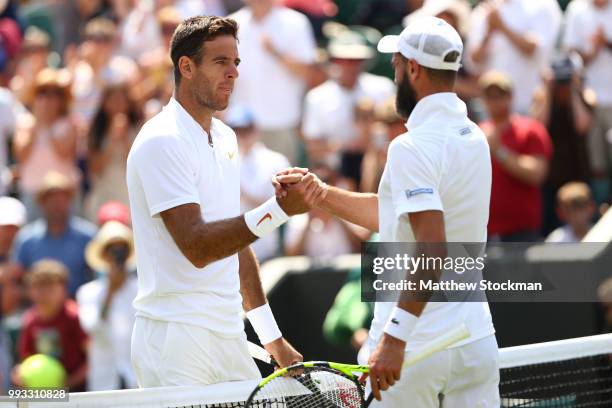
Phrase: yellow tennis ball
(42, 371)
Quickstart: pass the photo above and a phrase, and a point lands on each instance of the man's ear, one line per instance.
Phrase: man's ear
(414, 70)
(186, 67)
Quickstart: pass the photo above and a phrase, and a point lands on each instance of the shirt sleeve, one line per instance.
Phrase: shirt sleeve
(414, 180)
(165, 173)
(538, 142)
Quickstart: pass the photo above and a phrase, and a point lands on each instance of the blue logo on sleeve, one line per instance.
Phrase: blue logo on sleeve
(412, 193)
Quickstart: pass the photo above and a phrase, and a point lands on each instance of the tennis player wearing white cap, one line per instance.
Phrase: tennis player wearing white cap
(192, 244)
(435, 188)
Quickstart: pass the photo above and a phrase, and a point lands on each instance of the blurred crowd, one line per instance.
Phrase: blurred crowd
(79, 77)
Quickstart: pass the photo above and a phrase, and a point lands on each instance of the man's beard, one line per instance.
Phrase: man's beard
(405, 97)
(206, 99)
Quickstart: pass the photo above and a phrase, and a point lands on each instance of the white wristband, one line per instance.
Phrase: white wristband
(264, 324)
(400, 324)
(265, 218)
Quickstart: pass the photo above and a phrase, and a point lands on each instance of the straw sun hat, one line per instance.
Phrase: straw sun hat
(112, 232)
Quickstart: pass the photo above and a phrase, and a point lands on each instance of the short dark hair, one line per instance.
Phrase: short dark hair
(189, 37)
(444, 77)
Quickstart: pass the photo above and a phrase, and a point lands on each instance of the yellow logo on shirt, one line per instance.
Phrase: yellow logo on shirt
(231, 155)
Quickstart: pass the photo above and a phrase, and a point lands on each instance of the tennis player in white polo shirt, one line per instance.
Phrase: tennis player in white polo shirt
(435, 188)
(192, 244)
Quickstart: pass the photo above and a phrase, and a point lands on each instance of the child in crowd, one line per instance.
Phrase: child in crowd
(576, 208)
(51, 326)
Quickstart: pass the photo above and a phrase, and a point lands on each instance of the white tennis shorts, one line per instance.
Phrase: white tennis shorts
(170, 353)
(466, 376)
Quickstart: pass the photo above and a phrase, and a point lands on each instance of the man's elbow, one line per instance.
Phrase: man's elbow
(197, 258)
(199, 261)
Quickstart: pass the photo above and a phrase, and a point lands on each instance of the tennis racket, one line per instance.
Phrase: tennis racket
(321, 384)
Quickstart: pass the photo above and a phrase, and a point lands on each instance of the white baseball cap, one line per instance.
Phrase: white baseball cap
(12, 212)
(428, 41)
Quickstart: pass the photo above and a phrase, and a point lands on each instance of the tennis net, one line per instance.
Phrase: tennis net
(573, 373)
(567, 373)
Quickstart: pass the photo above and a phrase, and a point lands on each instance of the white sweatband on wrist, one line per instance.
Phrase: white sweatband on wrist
(400, 324)
(264, 324)
(265, 218)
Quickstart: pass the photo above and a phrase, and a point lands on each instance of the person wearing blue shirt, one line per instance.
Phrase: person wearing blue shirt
(58, 234)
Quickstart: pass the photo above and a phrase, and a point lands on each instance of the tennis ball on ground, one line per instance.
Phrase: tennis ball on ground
(42, 371)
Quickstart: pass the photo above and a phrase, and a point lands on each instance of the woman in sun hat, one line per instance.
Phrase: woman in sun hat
(105, 307)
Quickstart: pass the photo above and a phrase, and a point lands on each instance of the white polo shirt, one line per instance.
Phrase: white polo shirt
(539, 18)
(272, 92)
(583, 20)
(444, 161)
(170, 164)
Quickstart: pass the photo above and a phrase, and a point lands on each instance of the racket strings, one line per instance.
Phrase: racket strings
(317, 387)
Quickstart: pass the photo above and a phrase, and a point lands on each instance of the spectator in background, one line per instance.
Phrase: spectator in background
(318, 234)
(157, 82)
(258, 165)
(589, 32)
(51, 326)
(457, 14)
(113, 211)
(331, 124)
(520, 154)
(317, 11)
(278, 53)
(137, 23)
(10, 108)
(113, 130)
(35, 56)
(565, 108)
(96, 67)
(12, 218)
(387, 126)
(105, 308)
(576, 208)
(58, 234)
(11, 39)
(515, 37)
(45, 140)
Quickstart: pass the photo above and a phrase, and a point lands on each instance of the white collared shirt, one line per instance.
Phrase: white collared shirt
(171, 164)
(539, 18)
(272, 92)
(442, 163)
(583, 20)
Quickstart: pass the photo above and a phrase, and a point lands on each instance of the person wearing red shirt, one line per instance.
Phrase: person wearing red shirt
(521, 149)
(51, 326)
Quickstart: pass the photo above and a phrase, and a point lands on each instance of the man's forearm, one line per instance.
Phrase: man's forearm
(525, 43)
(250, 282)
(529, 169)
(358, 208)
(219, 239)
(206, 242)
